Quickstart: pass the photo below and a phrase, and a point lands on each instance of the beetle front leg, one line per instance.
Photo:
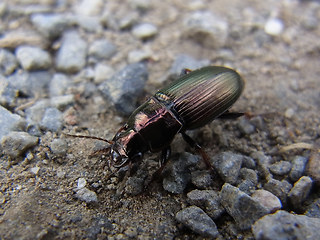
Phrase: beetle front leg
(199, 150)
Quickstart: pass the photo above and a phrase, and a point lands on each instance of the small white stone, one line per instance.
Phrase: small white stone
(274, 26)
(267, 199)
(35, 170)
(289, 113)
(144, 30)
(81, 183)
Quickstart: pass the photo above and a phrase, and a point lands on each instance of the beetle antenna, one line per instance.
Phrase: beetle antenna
(90, 137)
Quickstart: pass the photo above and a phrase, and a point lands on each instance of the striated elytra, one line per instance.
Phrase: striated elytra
(191, 101)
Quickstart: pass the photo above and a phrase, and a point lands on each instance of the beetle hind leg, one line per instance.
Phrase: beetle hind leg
(198, 149)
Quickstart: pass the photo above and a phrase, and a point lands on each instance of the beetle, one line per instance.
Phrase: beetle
(191, 101)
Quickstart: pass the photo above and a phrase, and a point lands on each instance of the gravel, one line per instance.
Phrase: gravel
(283, 225)
(83, 66)
(33, 58)
(198, 221)
(244, 209)
(125, 86)
(71, 56)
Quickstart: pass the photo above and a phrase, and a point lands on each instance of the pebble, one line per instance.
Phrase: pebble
(81, 183)
(35, 170)
(262, 164)
(52, 120)
(86, 195)
(228, 166)
(176, 173)
(61, 102)
(245, 126)
(102, 72)
(201, 179)
(279, 189)
(125, 86)
(15, 144)
(144, 31)
(298, 167)
(198, 221)
(90, 24)
(274, 26)
(300, 191)
(36, 111)
(206, 28)
(30, 84)
(208, 200)
(71, 56)
(51, 25)
(313, 167)
(59, 147)
(283, 225)
(59, 84)
(8, 121)
(102, 49)
(280, 168)
(16, 38)
(89, 7)
(313, 210)
(33, 58)
(267, 200)
(139, 55)
(8, 62)
(241, 207)
(184, 61)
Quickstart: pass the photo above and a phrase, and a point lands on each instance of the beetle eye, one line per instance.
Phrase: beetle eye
(118, 159)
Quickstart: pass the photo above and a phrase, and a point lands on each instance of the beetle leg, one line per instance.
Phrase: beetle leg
(231, 115)
(199, 150)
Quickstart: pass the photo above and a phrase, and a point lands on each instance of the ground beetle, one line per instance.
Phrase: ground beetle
(191, 101)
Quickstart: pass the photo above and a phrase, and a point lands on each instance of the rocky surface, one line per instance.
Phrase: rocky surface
(83, 66)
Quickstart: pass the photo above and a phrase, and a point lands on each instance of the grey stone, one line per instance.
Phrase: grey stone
(8, 94)
(102, 72)
(313, 210)
(198, 221)
(52, 120)
(283, 225)
(246, 127)
(206, 28)
(280, 168)
(247, 186)
(102, 49)
(248, 162)
(71, 56)
(176, 173)
(86, 195)
(134, 185)
(139, 55)
(33, 58)
(36, 111)
(8, 121)
(8, 62)
(144, 30)
(183, 61)
(263, 163)
(201, 179)
(15, 143)
(300, 191)
(30, 84)
(241, 207)
(61, 102)
(313, 167)
(228, 166)
(59, 84)
(250, 180)
(89, 23)
(89, 7)
(208, 200)
(279, 188)
(125, 86)
(267, 199)
(51, 25)
(298, 167)
(59, 147)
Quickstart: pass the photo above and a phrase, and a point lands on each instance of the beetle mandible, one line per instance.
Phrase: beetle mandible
(191, 101)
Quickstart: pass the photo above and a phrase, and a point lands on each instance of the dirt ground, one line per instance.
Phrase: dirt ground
(282, 77)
